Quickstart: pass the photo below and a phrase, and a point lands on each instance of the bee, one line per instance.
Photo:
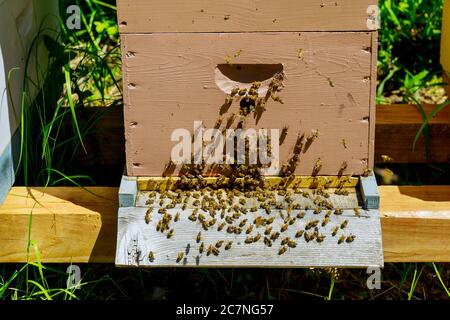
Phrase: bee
(258, 222)
(199, 237)
(242, 201)
(184, 206)
(201, 248)
(215, 251)
(270, 220)
(249, 229)
(242, 92)
(341, 239)
(221, 226)
(170, 234)
(350, 238)
(196, 203)
(285, 241)
(148, 216)
(237, 230)
(344, 143)
(248, 240)
(320, 238)
(230, 229)
(299, 233)
(282, 250)
(209, 251)
(177, 217)
(338, 211)
(192, 217)
(219, 244)
(357, 212)
(180, 257)
(151, 256)
(328, 214)
(292, 244)
(274, 236)
(325, 221)
(344, 224)
(317, 167)
(149, 202)
(161, 203)
(284, 227)
(311, 224)
(254, 209)
(257, 237)
(292, 221)
(301, 215)
(243, 222)
(162, 210)
(277, 99)
(228, 245)
(268, 231)
(335, 231)
(234, 91)
(308, 236)
(367, 172)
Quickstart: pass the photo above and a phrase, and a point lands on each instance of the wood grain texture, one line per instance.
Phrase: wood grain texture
(136, 239)
(171, 83)
(373, 94)
(143, 16)
(71, 225)
(396, 128)
(446, 78)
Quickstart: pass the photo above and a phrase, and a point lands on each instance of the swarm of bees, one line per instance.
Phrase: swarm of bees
(241, 206)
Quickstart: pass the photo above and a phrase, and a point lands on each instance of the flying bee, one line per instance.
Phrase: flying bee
(274, 236)
(228, 245)
(180, 257)
(299, 233)
(151, 256)
(170, 234)
(344, 224)
(350, 238)
(177, 217)
(148, 216)
(282, 250)
(338, 211)
(219, 244)
(357, 212)
(292, 244)
(325, 221)
(199, 237)
(341, 239)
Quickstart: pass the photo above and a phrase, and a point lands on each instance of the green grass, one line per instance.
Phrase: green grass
(57, 126)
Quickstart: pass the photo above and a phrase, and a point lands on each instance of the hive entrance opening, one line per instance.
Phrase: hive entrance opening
(229, 76)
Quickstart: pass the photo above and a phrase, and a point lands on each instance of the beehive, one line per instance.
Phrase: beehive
(182, 60)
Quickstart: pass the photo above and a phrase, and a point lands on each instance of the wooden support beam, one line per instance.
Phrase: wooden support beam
(396, 128)
(79, 226)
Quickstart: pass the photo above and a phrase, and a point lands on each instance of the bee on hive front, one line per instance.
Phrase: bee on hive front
(151, 256)
(228, 245)
(148, 216)
(282, 250)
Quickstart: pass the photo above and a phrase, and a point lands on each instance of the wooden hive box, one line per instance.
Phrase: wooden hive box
(182, 61)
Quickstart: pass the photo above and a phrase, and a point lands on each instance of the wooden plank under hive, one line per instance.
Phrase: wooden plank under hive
(288, 68)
